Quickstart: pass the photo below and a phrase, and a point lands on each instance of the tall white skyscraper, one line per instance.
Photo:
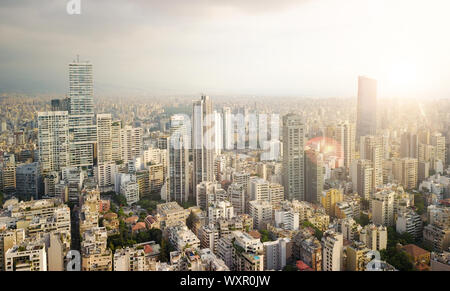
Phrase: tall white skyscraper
(82, 128)
(203, 147)
(53, 140)
(293, 157)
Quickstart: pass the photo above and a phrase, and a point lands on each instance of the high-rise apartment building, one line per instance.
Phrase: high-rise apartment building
(438, 141)
(261, 212)
(236, 193)
(345, 136)
(259, 189)
(82, 128)
(116, 144)
(293, 157)
(357, 259)
(362, 178)
(27, 181)
(332, 251)
(131, 143)
(203, 147)
(409, 145)
(8, 174)
(104, 138)
(53, 140)
(410, 222)
(383, 208)
(371, 148)
(275, 254)
(330, 199)
(276, 194)
(406, 172)
(179, 143)
(375, 237)
(313, 176)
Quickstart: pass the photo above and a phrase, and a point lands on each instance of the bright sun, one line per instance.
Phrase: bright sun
(399, 78)
(402, 76)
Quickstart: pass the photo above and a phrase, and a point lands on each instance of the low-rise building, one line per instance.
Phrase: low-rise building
(181, 237)
(171, 214)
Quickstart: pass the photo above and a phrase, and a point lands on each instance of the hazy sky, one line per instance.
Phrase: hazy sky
(220, 47)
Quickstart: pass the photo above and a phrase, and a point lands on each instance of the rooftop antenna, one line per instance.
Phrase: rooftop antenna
(78, 58)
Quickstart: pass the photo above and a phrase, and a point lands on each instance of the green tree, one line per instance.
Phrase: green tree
(363, 219)
(165, 250)
(113, 208)
(190, 220)
(395, 256)
(188, 204)
(265, 235)
(120, 199)
(419, 203)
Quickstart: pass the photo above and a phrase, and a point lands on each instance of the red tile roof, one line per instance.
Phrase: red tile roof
(254, 234)
(148, 249)
(132, 219)
(138, 226)
(302, 266)
(414, 250)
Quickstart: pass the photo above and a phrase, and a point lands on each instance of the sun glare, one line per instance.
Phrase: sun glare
(402, 76)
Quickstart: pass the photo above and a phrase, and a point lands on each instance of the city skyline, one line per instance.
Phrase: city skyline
(289, 49)
(216, 182)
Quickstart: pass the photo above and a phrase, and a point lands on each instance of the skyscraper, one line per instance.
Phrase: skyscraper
(438, 141)
(104, 138)
(203, 141)
(345, 135)
(179, 159)
(82, 128)
(371, 148)
(313, 176)
(362, 178)
(409, 145)
(406, 172)
(131, 143)
(27, 181)
(366, 119)
(53, 140)
(330, 199)
(293, 157)
(116, 144)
